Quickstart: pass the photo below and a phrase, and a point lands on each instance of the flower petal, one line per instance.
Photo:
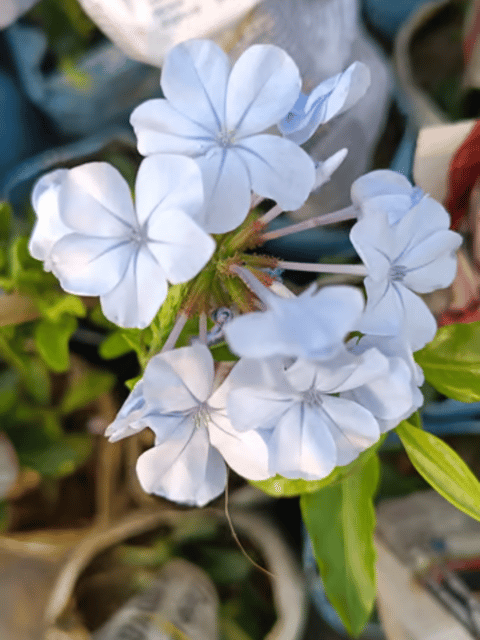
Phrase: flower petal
(188, 470)
(128, 420)
(246, 453)
(382, 182)
(432, 264)
(160, 128)
(263, 85)
(354, 428)
(90, 266)
(134, 302)
(170, 374)
(388, 397)
(168, 182)
(178, 244)
(194, 80)
(301, 445)
(326, 316)
(227, 188)
(49, 227)
(331, 98)
(96, 200)
(279, 169)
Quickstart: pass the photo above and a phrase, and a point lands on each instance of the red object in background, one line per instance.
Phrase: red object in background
(463, 316)
(463, 173)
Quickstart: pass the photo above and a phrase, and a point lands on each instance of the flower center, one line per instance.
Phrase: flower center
(226, 138)
(397, 272)
(201, 415)
(312, 397)
(138, 236)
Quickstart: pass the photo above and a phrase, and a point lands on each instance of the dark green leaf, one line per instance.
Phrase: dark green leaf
(451, 362)
(92, 385)
(37, 380)
(6, 217)
(9, 380)
(442, 468)
(340, 520)
(51, 341)
(58, 459)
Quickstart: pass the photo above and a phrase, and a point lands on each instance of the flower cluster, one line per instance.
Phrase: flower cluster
(321, 375)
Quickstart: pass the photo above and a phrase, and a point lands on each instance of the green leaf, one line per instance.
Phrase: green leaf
(37, 380)
(58, 459)
(340, 520)
(70, 304)
(132, 382)
(442, 468)
(8, 390)
(6, 217)
(283, 487)
(51, 341)
(92, 385)
(451, 362)
(114, 346)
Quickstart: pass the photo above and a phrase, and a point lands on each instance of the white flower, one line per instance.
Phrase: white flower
(387, 191)
(193, 436)
(331, 98)
(394, 396)
(218, 116)
(49, 227)
(312, 325)
(97, 243)
(407, 247)
(308, 429)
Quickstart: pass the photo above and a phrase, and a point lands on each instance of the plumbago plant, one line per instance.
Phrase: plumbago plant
(314, 381)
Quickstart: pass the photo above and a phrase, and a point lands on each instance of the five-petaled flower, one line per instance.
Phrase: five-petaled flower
(193, 435)
(218, 116)
(403, 237)
(97, 243)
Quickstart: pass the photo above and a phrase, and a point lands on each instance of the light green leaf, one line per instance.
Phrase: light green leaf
(51, 341)
(340, 520)
(451, 362)
(283, 487)
(442, 468)
(132, 382)
(114, 346)
(92, 385)
(66, 304)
